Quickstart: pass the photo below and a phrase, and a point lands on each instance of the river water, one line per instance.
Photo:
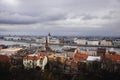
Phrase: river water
(56, 47)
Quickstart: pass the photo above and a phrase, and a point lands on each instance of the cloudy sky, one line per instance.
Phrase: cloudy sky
(60, 17)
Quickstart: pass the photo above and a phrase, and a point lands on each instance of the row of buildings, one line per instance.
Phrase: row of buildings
(51, 40)
(93, 42)
(78, 41)
(40, 58)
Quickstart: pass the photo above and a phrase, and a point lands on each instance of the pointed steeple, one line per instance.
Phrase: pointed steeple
(47, 45)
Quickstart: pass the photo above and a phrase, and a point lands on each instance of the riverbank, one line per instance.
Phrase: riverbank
(62, 44)
(55, 46)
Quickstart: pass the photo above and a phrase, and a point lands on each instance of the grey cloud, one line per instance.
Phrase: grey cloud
(52, 18)
(1, 29)
(89, 17)
(113, 14)
(42, 16)
(44, 10)
(118, 0)
(107, 17)
(15, 18)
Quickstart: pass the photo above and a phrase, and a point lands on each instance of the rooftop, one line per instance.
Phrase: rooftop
(114, 57)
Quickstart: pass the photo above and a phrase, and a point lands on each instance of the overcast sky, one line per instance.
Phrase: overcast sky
(60, 17)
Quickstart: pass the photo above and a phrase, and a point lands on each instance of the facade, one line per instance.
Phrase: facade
(35, 60)
(27, 38)
(52, 40)
(12, 38)
(61, 58)
(78, 56)
(116, 43)
(93, 42)
(105, 43)
(40, 40)
(90, 52)
(80, 41)
(68, 41)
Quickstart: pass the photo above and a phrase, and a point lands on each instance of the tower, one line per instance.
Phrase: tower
(49, 38)
(47, 46)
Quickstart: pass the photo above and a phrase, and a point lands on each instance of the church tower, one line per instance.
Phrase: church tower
(49, 37)
(47, 46)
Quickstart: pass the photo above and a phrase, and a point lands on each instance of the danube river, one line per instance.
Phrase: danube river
(56, 47)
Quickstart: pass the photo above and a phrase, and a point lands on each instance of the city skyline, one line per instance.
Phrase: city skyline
(60, 17)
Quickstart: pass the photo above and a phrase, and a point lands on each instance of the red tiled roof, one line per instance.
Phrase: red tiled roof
(35, 56)
(4, 58)
(79, 56)
(114, 57)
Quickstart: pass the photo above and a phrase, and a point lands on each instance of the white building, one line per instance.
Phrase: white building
(52, 40)
(116, 43)
(105, 43)
(93, 42)
(8, 38)
(40, 40)
(27, 38)
(93, 58)
(80, 41)
(12, 38)
(35, 60)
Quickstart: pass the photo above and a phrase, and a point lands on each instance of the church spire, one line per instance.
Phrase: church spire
(47, 45)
